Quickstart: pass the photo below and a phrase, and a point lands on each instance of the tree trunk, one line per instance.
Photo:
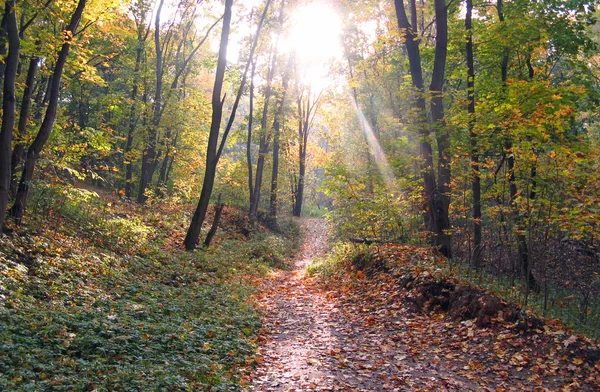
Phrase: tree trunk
(263, 147)
(299, 199)
(18, 208)
(133, 119)
(475, 175)
(8, 105)
(193, 232)
(19, 150)
(249, 144)
(149, 155)
(280, 105)
(3, 42)
(212, 152)
(436, 196)
(215, 225)
(442, 197)
(522, 246)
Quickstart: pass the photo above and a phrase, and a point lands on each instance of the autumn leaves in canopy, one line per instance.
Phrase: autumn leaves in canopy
(486, 112)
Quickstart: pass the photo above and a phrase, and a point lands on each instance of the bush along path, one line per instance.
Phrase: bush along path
(383, 318)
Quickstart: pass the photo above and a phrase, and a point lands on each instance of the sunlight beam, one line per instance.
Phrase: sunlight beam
(379, 156)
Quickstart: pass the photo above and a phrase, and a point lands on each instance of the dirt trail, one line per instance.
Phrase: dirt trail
(314, 344)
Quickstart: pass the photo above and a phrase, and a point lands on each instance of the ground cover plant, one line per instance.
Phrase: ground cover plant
(99, 296)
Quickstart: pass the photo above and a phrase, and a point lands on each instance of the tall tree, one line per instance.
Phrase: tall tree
(19, 149)
(435, 193)
(149, 157)
(18, 208)
(277, 125)
(8, 104)
(307, 105)
(264, 139)
(214, 150)
(475, 175)
(140, 14)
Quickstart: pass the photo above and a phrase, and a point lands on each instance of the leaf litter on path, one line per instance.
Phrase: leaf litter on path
(359, 333)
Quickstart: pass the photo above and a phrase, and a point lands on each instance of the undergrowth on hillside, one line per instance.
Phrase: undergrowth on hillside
(100, 296)
(346, 257)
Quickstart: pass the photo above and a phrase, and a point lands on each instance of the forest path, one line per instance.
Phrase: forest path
(314, 343)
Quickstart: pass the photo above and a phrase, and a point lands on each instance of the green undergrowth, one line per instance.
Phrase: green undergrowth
(337, 260)
(103, 298)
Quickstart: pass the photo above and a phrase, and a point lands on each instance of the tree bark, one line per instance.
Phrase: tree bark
(303, 128)
(193, 232)
(441, 198)
(436, 196)
(249, 143)
(276, 139)
(8, 105)
(18, 208)
(3, 48)
(263, 147)
(475, 175)
(149, 154)
(212, 152)
(215, 225)
(19, 150)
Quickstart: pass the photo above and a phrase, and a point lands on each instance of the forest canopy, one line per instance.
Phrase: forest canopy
(471, 126)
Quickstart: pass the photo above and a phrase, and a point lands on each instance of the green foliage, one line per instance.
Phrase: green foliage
(313, 211)
(273, 250)
(366, 213)
(341, 256)
(84, 210)
(105, 300)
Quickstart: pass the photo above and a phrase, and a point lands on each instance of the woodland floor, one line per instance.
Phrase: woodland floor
(359, 334)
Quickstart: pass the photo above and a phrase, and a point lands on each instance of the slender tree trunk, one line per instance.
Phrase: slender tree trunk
(213, 153)
(133, 119)
(442, 196)
(162, 174)
(193, 232)
(475, 175)
(436, 196)
(149, 155)
(263, 147)
(410, 40)
(19, 150)
(8, 105)
(276, 140)
(301, 177)
(3, 48)
(170, 166)
(299, 199)
(18, 208)
(249, 144)
(215, 225)
(522, 246)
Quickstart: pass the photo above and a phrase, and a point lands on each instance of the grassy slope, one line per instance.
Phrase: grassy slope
(98, 295)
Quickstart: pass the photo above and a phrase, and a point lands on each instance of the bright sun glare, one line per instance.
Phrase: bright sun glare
(315, 36)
